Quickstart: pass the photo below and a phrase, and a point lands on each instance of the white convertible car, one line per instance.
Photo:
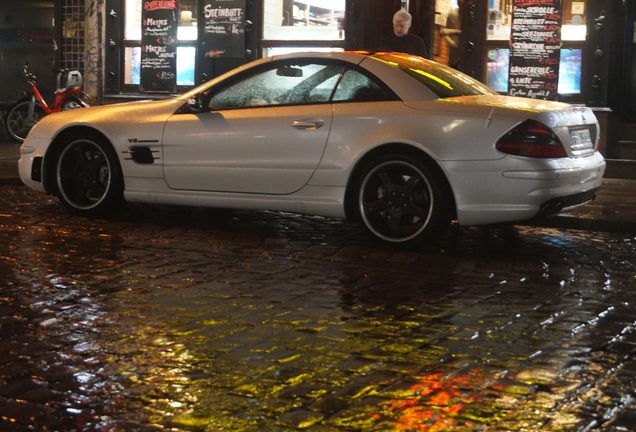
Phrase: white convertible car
(400, 144)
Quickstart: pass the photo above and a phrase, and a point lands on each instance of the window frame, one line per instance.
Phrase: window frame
(508, 5)
(562, 97)
(208, 93)
(490, 44)
(136, 43)
(265, 43)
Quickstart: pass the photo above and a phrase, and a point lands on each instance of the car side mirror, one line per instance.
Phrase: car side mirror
(289, 71)
(197, 104)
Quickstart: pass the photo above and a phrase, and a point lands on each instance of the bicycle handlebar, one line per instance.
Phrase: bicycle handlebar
(31, 77)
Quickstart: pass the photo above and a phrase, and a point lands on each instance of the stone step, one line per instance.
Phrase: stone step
(624, 131)
(625, 149)
(620, 169)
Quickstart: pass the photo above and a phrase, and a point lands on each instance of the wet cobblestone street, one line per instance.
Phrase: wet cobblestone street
(181, 319)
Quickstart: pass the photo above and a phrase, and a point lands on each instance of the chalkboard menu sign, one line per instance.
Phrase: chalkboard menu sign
(159, 45)
(535, 48)
(224, 31)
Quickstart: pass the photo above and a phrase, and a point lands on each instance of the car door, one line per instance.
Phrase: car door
(263, 132)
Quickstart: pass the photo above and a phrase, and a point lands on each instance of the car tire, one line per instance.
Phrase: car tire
(401, 200)
(88, 177)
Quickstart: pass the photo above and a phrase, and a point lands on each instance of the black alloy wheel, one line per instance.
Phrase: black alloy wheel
(88, 177)
(400, 200)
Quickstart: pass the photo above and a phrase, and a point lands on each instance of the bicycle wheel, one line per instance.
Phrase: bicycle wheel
(18, 122)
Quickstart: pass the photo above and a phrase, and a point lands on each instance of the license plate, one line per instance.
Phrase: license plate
(580, 138)
(581, 142)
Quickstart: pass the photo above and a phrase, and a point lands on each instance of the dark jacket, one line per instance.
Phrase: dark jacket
(409, 43)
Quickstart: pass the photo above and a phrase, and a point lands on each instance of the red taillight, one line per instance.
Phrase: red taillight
(531, 139)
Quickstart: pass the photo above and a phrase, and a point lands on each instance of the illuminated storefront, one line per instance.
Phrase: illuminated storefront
(573, 33)
(485, 44)
(273, 26)
(595, 52)
(595, 47)
(209, 37)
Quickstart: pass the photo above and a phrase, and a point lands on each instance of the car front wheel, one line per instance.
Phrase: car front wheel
(88, 178)
(400, 200)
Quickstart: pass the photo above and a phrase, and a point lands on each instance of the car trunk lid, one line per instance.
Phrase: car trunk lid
(576, 126)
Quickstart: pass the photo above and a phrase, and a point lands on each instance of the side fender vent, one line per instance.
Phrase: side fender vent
(142, 155)
(36, 169)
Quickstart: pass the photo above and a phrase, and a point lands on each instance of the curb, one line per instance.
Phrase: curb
(9, 172)
(10, 181)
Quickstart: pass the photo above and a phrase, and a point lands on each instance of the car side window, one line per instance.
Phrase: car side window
(285, 83)
(358, 87)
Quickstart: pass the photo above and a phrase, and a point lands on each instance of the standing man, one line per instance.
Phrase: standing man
(452, 34)
(401, 40)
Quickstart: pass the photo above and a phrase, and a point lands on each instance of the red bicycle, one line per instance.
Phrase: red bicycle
(25, 113)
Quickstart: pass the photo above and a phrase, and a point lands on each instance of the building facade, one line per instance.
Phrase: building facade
(131, 49)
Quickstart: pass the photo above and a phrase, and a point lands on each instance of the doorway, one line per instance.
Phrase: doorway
(27, 34)
(448, 33)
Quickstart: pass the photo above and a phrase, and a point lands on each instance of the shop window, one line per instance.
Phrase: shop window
(187, 36)
(185, 66)
(187, 20)
(497, 69)
(573, 33)
(569, 70)
(272, 51)
(318, 20)
(132, 63)
(573, 20)
(132, 30)
(73, 34)
(186, 56)
(499, 19)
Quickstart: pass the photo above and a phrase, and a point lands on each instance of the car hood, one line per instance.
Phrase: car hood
(120, 113)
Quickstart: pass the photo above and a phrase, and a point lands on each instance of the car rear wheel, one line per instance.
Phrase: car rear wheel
(400, 200)
(88, 177)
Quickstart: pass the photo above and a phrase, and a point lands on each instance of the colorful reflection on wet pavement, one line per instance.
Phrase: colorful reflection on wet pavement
(194, 320)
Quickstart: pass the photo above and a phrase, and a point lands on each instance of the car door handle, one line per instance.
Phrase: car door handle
(308, 124)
